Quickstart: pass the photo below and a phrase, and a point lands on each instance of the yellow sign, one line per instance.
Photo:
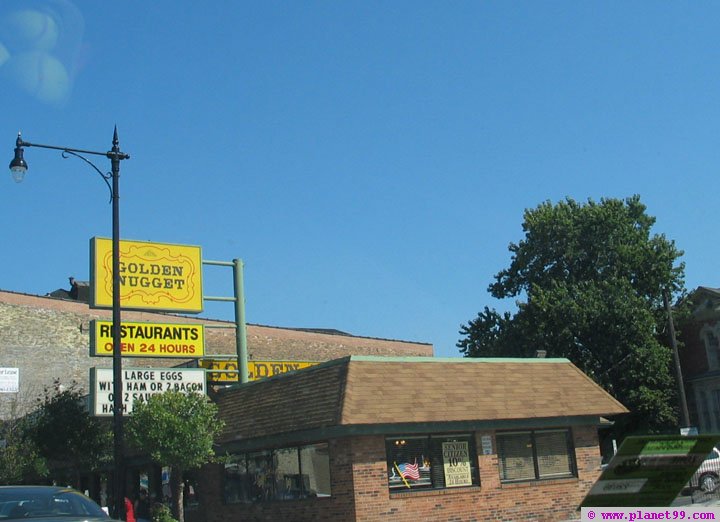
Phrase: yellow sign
(149, 339)
(153, 276)
(226, 369)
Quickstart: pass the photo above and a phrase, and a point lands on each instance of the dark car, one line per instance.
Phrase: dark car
(48, 503)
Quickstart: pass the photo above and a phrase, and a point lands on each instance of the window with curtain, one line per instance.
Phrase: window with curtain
(535, 455)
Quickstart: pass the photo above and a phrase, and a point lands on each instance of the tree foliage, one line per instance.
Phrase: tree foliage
(58, 439)
(67, 435)
(20, 459)
(176, 430)
(588, 282)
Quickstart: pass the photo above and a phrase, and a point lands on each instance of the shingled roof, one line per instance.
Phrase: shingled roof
(358, 394)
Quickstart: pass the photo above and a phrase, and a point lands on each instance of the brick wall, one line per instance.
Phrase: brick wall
(45, 345)
(360, 491)
(48, 339)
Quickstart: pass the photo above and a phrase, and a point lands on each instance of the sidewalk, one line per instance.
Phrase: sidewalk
(698, 498)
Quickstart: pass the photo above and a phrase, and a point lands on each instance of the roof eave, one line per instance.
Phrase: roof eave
(324, 433)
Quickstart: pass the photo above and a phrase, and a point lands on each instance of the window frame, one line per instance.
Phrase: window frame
(432, 446)
(248, 460)
(570, 452)
(711, 342)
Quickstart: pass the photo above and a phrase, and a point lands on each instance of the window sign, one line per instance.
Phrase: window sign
(486, 444)
(456, 462)
(9, 380)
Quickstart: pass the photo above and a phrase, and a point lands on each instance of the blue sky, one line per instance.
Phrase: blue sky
(369, 161)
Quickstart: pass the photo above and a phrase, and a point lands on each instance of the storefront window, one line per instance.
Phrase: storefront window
(427, 462)
(236, 476)
(287, 474)
(315, 466)
(533, 455)
(260, 475)
(280, 474)
(516, 456)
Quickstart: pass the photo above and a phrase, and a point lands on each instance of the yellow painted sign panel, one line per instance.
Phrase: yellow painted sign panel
(153, 276)
(225, 370)
(149, 339)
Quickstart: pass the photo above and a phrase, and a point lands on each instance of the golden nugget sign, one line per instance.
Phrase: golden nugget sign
(148, 339)
(224, 371)
(153, 276)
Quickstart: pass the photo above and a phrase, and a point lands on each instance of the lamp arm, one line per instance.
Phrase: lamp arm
(22, 143)
(105, 176)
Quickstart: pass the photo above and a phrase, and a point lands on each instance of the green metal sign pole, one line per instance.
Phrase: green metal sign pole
(240, 330)
(240, 327)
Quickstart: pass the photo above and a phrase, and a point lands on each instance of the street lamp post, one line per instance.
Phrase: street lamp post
(18, 167)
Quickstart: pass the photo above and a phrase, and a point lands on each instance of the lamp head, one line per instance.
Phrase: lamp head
(18, 165)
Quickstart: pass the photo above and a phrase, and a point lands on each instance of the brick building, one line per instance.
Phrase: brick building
(700, 359)
(47, 338)
(379, 430)
(370, 438)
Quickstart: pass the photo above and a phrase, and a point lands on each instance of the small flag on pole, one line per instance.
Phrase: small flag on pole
(409, 471)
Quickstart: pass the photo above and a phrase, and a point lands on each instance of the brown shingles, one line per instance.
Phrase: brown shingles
(357, 391)
(309, 399)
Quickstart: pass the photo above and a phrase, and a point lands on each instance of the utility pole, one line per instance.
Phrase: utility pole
(678, 371)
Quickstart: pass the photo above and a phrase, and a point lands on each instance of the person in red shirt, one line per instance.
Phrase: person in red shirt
(129, 511)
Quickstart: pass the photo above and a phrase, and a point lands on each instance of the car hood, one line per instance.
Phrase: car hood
(68, 518)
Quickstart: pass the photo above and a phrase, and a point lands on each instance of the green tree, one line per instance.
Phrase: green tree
(66, 435)
(176, 430)
(20, 460)
(588, 282)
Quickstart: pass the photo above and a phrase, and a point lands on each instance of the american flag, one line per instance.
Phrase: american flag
(409, 471)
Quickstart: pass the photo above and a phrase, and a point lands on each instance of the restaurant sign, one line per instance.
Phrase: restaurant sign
(148, 339)
(153, 276)
(225, 371)
(139, 384)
